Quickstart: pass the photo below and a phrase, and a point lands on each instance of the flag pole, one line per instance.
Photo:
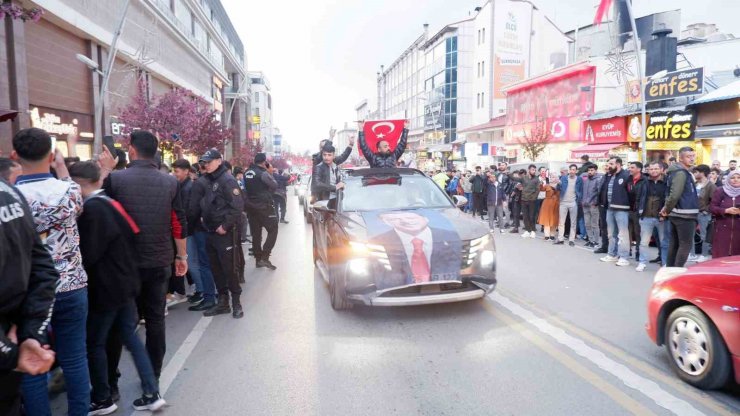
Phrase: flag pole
(636, 41)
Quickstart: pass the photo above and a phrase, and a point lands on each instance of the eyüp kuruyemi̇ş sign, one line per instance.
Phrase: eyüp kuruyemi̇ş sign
(671, 126)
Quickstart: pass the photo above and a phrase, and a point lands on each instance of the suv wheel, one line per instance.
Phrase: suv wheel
(337, 288)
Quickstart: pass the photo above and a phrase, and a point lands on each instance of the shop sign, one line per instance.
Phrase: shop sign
(559, 129)
(610, 130)
(713, 132)
(116, 129)
(634, 128)
(512, 28)
(633, 92)
(671, 126)
(62, 123)
(675, 84)
(433, 116)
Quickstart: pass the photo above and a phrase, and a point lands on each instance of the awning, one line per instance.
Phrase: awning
(493, 124)
(713, 132)
(728, 92)
(6, 114)
(596, 151)
(551, 76)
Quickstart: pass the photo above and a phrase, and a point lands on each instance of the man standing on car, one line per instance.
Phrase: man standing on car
(261, 185)
(219, 210)
(327, 176)
(384, 157)
(317, 159)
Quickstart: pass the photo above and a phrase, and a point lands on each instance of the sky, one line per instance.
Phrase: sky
(321, 56)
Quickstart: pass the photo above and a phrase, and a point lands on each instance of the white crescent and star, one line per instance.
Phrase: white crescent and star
(383, 123)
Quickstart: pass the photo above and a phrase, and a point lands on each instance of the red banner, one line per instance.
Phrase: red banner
(377, 130)
(610, 130)
(559, 98)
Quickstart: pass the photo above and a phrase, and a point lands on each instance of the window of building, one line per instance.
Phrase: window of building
(483, 69)
(483, 100)
(484, 35)
(256, 98)
(269, 101)
(477, 74)
(182, 13)
(477, 100)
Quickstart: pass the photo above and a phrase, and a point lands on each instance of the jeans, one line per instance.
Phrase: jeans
(647, 225)
(68, 324)
(581, 222)
(516, 211)
(591, 219)
(682, 239)
(565, 209)
(634, 226)
(499, 211)
(478, 203)
(257, 221)
(194, 264)
(206, 276)
(603, 229)
(528, 211)
(619, 234)
(704, 219)
(469, 205)
(280, 206)
(99, 323)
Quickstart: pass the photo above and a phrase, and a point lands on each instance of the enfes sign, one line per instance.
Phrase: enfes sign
(377, 130)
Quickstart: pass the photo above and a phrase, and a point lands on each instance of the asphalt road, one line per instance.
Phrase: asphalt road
(562, 335)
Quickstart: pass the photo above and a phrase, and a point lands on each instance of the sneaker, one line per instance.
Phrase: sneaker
(104, 407)
(526, 234)
(203, 306)
(196, 298)
(601, 250)
(572, 243)
(532, 235)
(152, 402)
(175, 298)
(623, 262)
(641, 267)
(514, 231)
(701, 259)
(656, 260)
(284, 222)
(559, 242)
(609, 259)
(692, 258)
(266, 263)
(501, 230)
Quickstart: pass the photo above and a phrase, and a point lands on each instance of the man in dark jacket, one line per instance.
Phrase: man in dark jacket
(615, 197)
(26, 299)
(530, 190)
(153, 200)
(590, 204)
(281, 194)
(110, 259)
(317, 159)
(681, 207)
(515, 199)
(384, 157)
(327, 176)
(219, 211)
(649, 199)
(478, 184)
(261, 185)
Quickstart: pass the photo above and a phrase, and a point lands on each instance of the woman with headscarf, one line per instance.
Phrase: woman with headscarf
(725, 208)
(549, 216)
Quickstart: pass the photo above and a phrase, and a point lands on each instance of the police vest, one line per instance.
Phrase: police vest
(688, 203)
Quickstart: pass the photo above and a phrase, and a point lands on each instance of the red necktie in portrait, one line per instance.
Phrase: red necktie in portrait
(419, 263)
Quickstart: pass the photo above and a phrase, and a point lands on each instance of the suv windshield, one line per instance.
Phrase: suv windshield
(392, 192)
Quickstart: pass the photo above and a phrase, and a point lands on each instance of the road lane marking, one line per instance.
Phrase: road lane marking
(619, 397)
(643, 385)
(705, 399)
(177, 362)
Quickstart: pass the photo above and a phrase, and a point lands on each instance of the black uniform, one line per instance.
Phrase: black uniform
(220, 206)
(26, 290)
(261, 210)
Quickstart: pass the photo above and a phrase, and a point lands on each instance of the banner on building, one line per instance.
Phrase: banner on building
(511, 36)
(671, 126)
(675, 84)
(377, 130)
(433, 116)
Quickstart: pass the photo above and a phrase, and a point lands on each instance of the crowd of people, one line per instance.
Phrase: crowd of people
(690, 212)
(91, 249)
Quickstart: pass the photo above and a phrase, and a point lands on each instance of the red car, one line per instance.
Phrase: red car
(695, 313)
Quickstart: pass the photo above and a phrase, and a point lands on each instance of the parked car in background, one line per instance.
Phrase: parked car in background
(695, 313)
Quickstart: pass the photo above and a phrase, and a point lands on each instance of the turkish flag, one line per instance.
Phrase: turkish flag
(602, 11)
(377, 130)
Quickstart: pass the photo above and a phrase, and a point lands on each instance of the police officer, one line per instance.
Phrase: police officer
(261, 185)
(26, 299)
(219, 210)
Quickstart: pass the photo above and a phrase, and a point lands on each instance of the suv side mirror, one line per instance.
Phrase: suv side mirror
(460, 201)
(323, 206)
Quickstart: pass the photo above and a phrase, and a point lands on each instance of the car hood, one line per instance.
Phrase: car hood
(722, 265)
(465, 225)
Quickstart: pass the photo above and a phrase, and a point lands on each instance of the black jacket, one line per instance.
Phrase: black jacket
(153, 200)
(646, 187)
(318, 160)
(620, 194)
(108, 253)
(27, 277)
(377, 160)
(322, 181)
(260, 186)
(221, 204)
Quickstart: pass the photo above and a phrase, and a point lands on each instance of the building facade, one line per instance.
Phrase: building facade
(263, 127)
(165, 44)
